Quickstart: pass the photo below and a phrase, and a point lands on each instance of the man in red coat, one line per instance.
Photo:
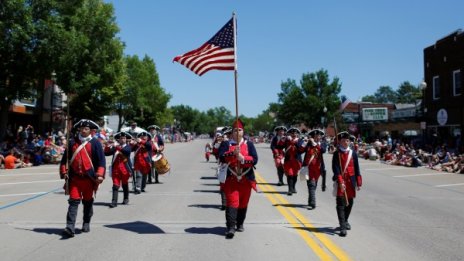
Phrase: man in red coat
(142, 160)
(313, 162)
(292, 161)
(83, 166)
(277, 148)
(348, 178)
(121, 167)
(241, 156)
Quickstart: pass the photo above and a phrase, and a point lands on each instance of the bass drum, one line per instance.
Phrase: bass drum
(161, 164)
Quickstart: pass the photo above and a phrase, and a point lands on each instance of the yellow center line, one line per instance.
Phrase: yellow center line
(296, 219)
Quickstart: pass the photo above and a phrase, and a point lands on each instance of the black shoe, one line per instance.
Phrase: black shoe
(68, 232)
(157, 182)
(323, 188)
(86, 227)
(113, 205)
(230, 233)
(125, 201)
(143, 190)
(289, 193)
(343, 232)
(312, 206)
(223, 207)
(347, 226)
(137, 192)
(280, 183)
(240, 228)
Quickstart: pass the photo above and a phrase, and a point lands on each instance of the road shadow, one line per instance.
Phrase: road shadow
(210, 184)
(51, 231)
(274, 192)
(324, 230)
(269, 184)
(292, 205)
(106, 204)
(208, 177)
(206, 230)
(216, 206)
(206, 191)
(140, 227)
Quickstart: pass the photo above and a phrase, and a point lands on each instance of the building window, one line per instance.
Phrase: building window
(436, 87)
(457, 82)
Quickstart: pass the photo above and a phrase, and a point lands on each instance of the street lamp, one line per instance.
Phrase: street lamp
(323, 117)
(423, 86)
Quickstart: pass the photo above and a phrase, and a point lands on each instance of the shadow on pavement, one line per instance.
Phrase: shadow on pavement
(206, 191)
(140, 227)
(217, 206)
(206, 230)
(292, 205)
(324, 230)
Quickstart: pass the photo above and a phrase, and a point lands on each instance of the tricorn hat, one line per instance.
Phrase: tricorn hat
(315, 132)
(293, 130)
(153, 127)
(143, 134)
(122, 134)
(343, 135)
(86, 123)
(279, 128)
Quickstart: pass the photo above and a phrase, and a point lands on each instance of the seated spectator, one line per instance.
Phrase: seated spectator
(14, 162)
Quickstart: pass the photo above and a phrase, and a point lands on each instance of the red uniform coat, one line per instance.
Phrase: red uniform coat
(350, 176)
(313, 160)
(292, 163)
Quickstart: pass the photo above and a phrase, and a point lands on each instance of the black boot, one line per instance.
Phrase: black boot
(312, 193)
(280, 175)
(295, 179)
(341, 215)
(114, 200)
(144, 182)
(223, 199)
(290, 185)
(125, 189)
(69, 231)
(156, 177)
(150, 176)
(241, 215)
(231, 222)
(347, 213)
(88, 213)
(324, 175)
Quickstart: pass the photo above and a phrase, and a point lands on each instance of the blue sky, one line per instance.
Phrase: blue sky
(365, 43)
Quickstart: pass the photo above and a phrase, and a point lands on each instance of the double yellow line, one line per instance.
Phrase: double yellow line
(322, 246)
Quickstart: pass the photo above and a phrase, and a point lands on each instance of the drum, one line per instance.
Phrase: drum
(161, 164)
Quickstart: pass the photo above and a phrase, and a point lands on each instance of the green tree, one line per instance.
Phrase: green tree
(305, 103)
(408, 93)
(143, 99)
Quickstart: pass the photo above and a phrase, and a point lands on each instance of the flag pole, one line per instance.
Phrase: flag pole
(235, 69)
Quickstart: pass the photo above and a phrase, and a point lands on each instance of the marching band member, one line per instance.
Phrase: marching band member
(208, 150)
(216, 143)
(314, 163)
(292, 161)
(347, 176)
(226, 132)
(277, 148)
(158, 147)
(142, 160)
(240, 155)
(121, 167)
(83, 167)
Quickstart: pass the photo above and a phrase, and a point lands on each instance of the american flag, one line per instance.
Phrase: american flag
(215, 54)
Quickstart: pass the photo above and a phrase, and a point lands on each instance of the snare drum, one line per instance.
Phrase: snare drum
(161, 164)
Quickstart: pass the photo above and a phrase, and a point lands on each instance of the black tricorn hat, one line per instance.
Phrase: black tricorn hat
(86, 123)
(143, 133)
(278, 128)
(122, 134)
(293, 130)
(226, 130)
(343, 135)
(153, 127)
(315, 132)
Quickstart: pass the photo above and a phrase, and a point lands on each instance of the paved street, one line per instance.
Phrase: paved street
(400, 214)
